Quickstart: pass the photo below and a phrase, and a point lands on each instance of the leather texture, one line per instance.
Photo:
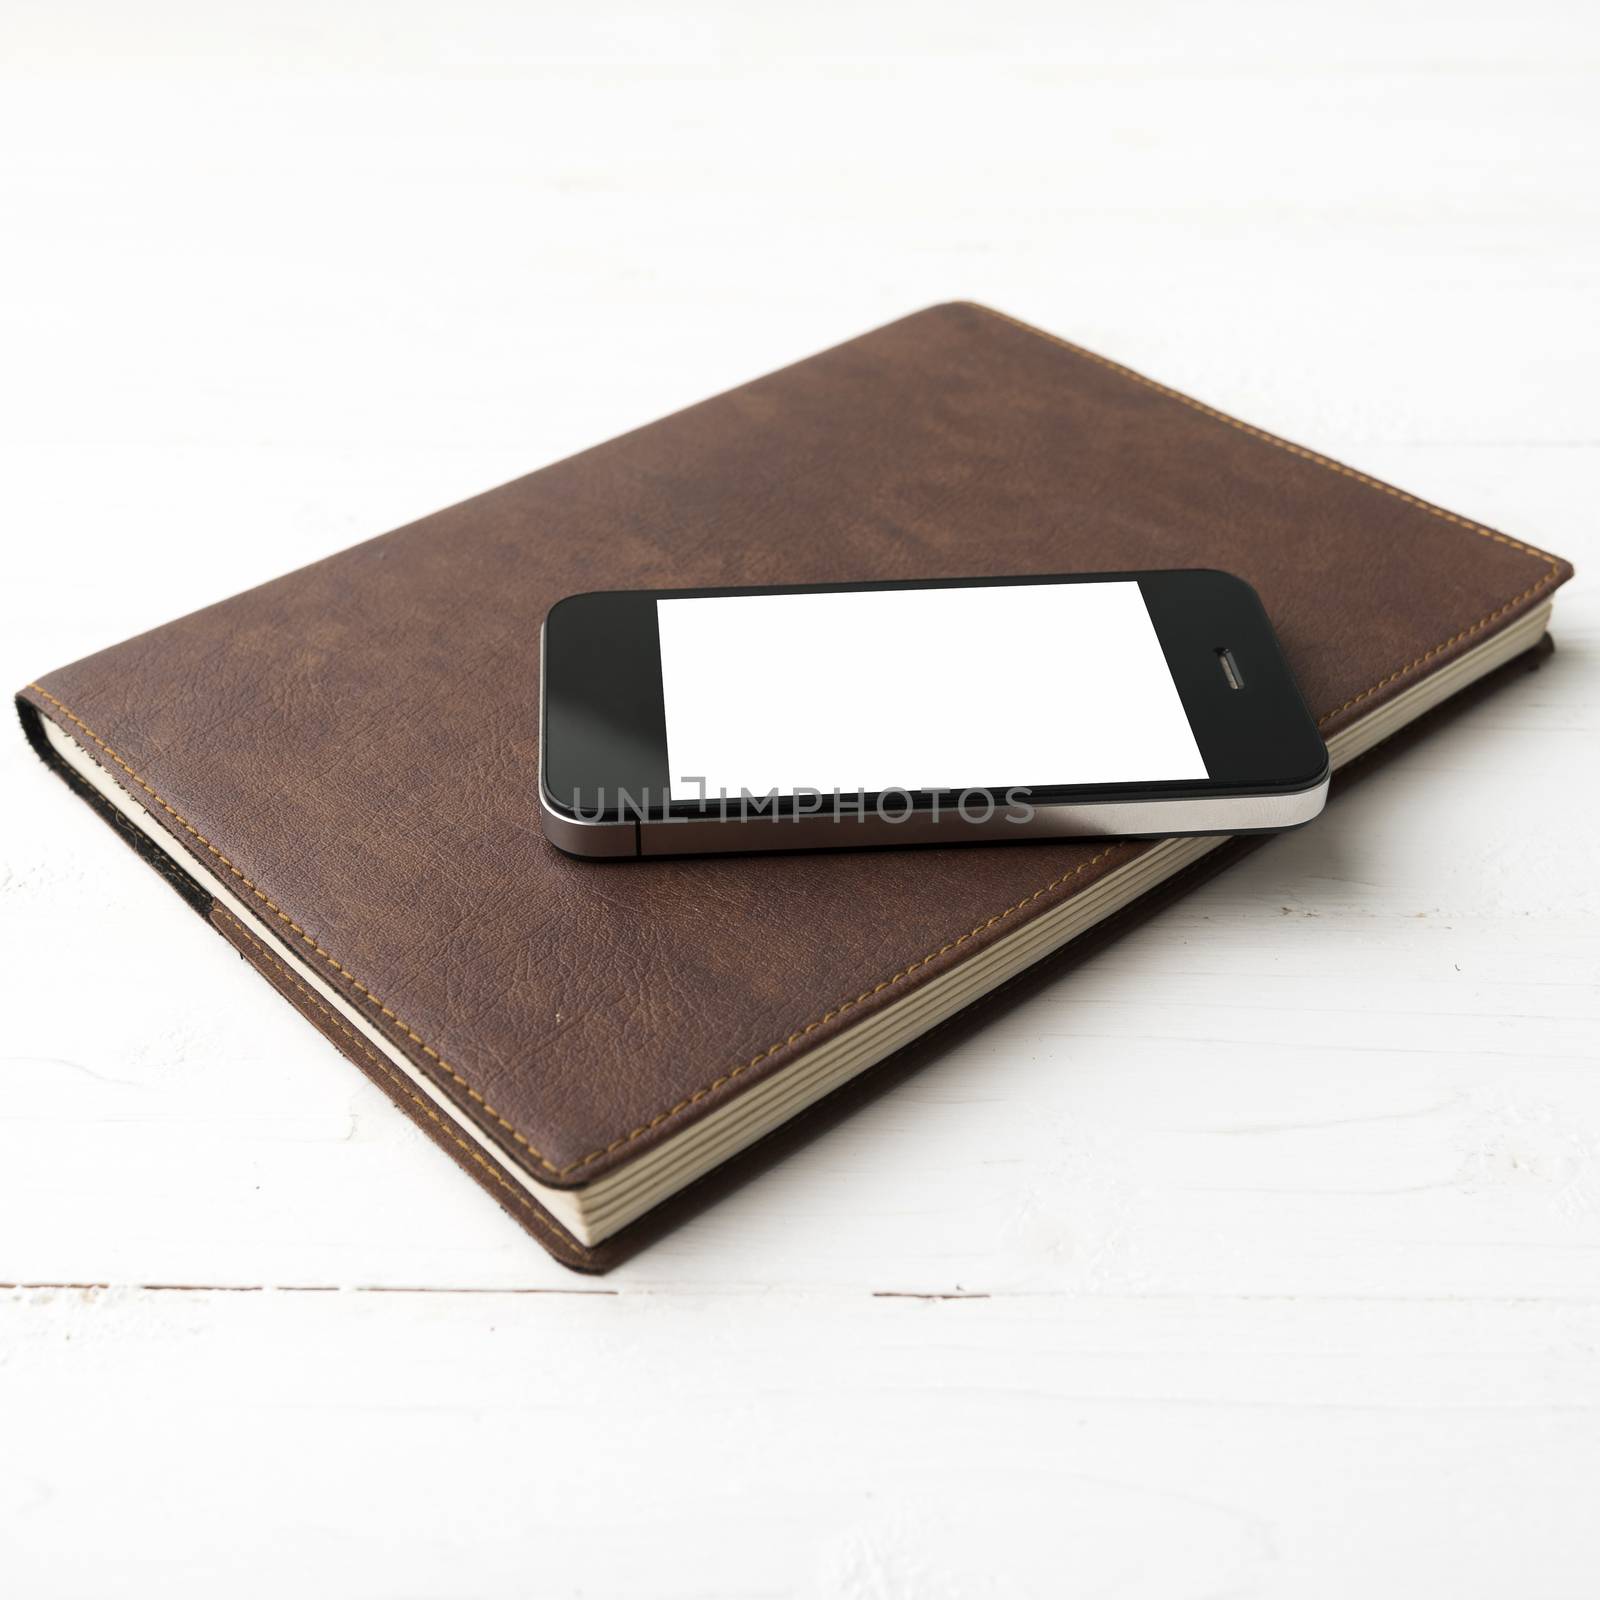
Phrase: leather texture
(354, 745)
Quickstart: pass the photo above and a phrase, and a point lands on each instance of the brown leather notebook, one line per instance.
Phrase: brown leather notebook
(337, 769)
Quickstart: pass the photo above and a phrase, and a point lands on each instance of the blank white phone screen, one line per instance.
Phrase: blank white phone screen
(995, 687)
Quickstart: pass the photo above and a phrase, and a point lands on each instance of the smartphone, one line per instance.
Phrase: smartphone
(687, 721)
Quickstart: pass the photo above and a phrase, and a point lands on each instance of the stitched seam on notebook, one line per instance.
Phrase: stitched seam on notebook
(288, 921)
(848, 1005)
(1293, 449)
(394, 1077)
(794, 1038)
(1428, 655)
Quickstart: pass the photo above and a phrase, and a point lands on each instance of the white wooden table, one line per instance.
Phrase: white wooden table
(1258, 1255)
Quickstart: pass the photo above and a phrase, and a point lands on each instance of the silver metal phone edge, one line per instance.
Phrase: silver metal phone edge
(1151, 818)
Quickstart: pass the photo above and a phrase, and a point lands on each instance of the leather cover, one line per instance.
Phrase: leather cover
(354, 744)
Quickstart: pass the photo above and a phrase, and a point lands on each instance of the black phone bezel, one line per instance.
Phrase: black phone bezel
(603, 728)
